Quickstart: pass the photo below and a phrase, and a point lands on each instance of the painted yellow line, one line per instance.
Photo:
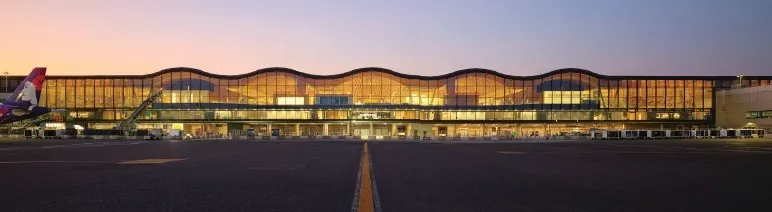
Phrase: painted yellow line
(151, 161)
(510, 152)
(366, 187)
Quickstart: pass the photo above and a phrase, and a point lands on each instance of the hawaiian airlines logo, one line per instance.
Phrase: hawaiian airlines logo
(29, 93)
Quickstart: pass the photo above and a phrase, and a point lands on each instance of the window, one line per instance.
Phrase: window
(333, 100)
(290, 100)
(564, 97)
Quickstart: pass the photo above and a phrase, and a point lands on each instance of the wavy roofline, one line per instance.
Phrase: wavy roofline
(370, 69)
(398, 74)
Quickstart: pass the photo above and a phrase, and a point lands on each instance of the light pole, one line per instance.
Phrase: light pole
(6, 81)
(8, 133)
(740, 81)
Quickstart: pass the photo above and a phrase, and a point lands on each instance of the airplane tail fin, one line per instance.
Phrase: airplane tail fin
(29, 89)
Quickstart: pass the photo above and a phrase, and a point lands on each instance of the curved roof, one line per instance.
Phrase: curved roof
(402, 75)
(371, 69)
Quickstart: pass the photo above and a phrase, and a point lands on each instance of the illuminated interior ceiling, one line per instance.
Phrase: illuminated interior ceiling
(369, 84)
(472, 84)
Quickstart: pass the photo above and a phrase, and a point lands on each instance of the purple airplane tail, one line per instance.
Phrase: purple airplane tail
(28, 91)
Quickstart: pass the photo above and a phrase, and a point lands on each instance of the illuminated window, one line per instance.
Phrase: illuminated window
(55, 125)
(565, 97)
(290, 100)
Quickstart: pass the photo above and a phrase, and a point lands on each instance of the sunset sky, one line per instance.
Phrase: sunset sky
(426, 37)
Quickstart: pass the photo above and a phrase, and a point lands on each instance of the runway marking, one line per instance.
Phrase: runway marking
(510, 152)
(151, 161)
(53, 161)
(366, 190)
(366, 195)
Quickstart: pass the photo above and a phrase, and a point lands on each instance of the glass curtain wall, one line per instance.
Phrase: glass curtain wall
(285, 95)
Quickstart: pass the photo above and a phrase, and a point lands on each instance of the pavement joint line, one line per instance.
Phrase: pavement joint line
(622, 152)
(355, 201)
(152, 161)
(751, 147)
(510, 152)
(692, 148)
(54, 161)
(68, 146)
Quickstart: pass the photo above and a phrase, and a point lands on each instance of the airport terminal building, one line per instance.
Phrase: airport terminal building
(377, 101)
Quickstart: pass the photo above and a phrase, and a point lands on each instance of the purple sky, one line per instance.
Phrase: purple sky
(432, 37)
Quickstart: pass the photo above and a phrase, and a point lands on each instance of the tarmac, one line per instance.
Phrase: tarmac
(237, 175)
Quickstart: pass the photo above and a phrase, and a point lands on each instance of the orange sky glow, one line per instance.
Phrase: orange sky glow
(96, 37)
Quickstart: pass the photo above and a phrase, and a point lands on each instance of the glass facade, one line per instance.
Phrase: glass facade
(192, 95)
(375, 101)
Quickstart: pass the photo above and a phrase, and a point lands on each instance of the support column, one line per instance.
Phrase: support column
(268, 130)
(409, 130)
(393, 130)
(371, 129)
(348, 128)
(455, 126)
(326, 128)
(549, 130)
(297, 129)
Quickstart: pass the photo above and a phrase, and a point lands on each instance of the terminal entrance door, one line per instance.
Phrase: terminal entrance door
(362, 132)
(401, 130)
(534, 130)
(463, 132)
(442, 131)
